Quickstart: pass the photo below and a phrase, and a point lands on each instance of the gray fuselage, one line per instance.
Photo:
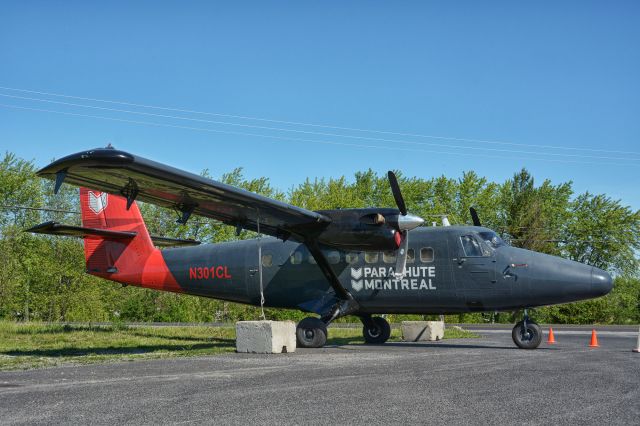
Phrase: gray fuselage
(449, 270)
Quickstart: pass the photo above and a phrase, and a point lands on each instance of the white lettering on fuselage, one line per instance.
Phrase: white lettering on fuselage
(382, 278)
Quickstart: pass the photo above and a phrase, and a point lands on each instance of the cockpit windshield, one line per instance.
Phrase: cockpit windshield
(492, 239)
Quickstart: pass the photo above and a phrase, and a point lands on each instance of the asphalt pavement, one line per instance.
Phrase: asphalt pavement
(463, 381)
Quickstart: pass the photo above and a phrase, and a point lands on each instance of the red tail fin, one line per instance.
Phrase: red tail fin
(135, 261)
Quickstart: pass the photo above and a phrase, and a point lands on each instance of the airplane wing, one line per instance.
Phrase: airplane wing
(118, 172)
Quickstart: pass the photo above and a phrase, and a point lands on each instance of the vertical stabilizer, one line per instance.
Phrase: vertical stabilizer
(132, 261)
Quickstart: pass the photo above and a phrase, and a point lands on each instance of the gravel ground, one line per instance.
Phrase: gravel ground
(465, 381)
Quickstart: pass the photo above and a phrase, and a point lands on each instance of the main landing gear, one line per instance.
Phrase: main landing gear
(526, 334)
(376, 330)
(312, 332)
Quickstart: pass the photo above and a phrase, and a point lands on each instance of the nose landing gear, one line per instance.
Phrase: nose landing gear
(526, 334)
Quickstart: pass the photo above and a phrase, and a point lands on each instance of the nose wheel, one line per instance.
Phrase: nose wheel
(527, 334)
(376, 330)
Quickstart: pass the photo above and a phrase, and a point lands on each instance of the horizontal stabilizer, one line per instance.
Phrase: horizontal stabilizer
(172, 242)
(54, 228)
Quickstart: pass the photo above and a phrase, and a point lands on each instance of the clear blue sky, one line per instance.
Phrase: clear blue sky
(563, 74)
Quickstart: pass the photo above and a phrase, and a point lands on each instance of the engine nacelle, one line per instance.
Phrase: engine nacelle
(361, 229)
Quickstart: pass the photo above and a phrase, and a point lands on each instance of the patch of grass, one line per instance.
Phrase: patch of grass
(459, 333)
(33, 345)
(41, 345)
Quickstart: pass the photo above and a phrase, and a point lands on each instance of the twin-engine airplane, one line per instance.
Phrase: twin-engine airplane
(331, 263)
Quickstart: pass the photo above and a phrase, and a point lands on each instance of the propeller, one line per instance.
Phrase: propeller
(403, 224)
(474, 217)
(397, 195)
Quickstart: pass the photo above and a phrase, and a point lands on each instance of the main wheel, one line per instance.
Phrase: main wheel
(528, 337)
(377, 331)
(311, 333)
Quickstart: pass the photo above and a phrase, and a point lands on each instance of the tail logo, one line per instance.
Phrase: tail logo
(97, 203)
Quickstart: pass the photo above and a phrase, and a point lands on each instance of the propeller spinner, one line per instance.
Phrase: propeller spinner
(403, 223)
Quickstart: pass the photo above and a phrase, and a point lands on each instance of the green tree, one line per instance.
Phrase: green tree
(42, 278)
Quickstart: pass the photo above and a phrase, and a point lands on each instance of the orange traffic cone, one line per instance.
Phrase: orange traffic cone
(594, 339)
(551, 340)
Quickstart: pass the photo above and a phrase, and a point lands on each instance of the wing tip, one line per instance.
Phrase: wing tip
(98, 157)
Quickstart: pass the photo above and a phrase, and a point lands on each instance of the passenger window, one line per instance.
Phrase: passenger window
(333, 257)
(472, 247)
(389, 257)
(351, 258)
(411, 256)
(296, 258)
(371, 256)
(426, 254)
(267, 260)
(312, 260)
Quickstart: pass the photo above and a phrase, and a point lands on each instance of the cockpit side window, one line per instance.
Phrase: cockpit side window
(473, 247)
(492, 239)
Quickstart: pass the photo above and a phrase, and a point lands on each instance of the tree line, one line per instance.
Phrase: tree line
(42, 278)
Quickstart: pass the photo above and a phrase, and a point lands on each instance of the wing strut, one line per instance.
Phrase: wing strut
(347, 303)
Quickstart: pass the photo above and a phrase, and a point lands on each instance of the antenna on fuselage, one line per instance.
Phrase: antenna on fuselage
(444, 218)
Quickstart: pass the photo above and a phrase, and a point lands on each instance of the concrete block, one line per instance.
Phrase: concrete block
(417, 331)
(266, 337)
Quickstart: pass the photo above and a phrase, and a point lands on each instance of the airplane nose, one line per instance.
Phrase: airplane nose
(601, 282)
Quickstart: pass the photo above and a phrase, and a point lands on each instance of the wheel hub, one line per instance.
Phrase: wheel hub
(374, 332)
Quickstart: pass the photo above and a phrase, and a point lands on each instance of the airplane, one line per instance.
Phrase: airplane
(363, 262)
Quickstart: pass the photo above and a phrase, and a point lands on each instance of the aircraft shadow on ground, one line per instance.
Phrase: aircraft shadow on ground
(185, 338)
(338, 343)
(446, 345)
(110, 350)
(65, 329)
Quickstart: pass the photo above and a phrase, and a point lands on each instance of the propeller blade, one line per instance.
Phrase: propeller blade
(397, 195)
(401, 256)
(474, 217)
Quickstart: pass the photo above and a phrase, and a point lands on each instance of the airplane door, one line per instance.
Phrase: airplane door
(475, 271)
(435, 254)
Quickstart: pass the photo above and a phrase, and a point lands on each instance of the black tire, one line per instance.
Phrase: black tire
(311, 333)
(528, 338)
(377, 332)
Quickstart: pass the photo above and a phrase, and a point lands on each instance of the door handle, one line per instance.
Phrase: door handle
(461, 260)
